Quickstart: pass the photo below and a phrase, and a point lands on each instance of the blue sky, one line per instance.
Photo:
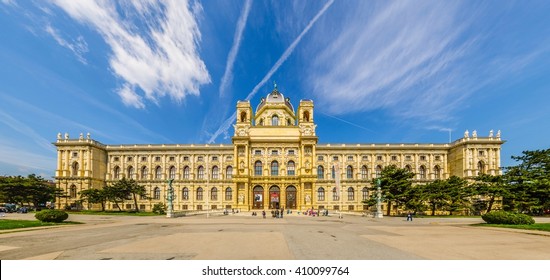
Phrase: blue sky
(378, 71)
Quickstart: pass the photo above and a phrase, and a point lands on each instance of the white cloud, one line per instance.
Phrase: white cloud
(228, 74)
(79, 47)
(154, 45)
(403, 55)
(227, 123)
(25, 130)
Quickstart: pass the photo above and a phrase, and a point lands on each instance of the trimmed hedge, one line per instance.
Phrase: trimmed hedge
(55, 216)
(507, 218)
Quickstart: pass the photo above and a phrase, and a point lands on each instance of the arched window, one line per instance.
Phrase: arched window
(290, 168)
(408, 167)
(422, 171)
(156, 193)
(72, 191)
(274, 168)
(172, 172)
(185, 193)
(378, 171)
(144, 173)
(258, 168)
(437, 172)
(215, 172)
(351, 194)
(75, 169)
(335, 195)
(199, 194)
(214, 193)
(365, 193)
(364, 172)
(130, 172)
(321, 194)
(306, 116)
(228, 194)
(320, 172)
(481, 167)
(229, 172)
(349, 172)
(200, 172)
(116, 172)
(158, 173)
(186, 173)
(275, 120)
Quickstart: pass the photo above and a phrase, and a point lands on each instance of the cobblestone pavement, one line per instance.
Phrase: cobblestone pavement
(295, 237)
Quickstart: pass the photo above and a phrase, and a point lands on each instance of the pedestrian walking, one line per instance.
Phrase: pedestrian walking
(263, 213)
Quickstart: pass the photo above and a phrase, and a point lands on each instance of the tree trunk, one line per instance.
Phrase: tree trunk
(389, 208)
(491, 201)
(135, 203)
(433, 209)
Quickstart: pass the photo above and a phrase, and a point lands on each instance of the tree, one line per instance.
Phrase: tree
(458, 192)
(95, 196)
(530, 181)
(395, 185)
(491, 187)
(123, 190)
(33, 190)
(436, 194)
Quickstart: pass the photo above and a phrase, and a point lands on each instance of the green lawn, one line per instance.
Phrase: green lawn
(13, 224)
(542, 226)
(119, 213)
(444, 216)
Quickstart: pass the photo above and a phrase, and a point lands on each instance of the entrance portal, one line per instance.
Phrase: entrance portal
(258, 195)
(291, 197)
(274, 197)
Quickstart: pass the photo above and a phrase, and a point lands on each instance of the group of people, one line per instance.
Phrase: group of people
(233, 211)
(312, 212)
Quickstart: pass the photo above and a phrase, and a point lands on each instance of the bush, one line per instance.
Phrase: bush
(507, 218)
(55, 216)
(159, 208)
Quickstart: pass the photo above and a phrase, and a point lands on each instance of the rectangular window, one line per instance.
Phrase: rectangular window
(422, 157)
(200, 158)
(408, 157)
(335, 158)
(481, 153)
(143, 158)
(115, 159)
(229, 158)
(274, 152)
(365, 158)
(350, 158)
(214, 158)
(75, 154)
(437, 157)
(394, 158)
(185, 158)
(157, 158)
(130, 158)
(172, 158)
(320, 158)
(378, 157)
(258, 152)
(291, 152)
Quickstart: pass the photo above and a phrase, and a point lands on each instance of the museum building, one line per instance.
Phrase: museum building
(274, 161)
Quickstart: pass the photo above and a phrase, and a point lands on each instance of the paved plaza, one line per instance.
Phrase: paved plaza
(295, 237)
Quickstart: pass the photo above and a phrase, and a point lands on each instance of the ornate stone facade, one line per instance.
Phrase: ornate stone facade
(273, 162)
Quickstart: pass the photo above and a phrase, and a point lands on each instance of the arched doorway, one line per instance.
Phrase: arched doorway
(258, 198)
(274, 197)
(291, 197)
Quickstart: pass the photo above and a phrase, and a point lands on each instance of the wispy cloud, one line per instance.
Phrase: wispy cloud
(79, 46)
(25, 130)
(228, 74)
(25, 161)
(154, 46)
(417, 60)
(227, 123)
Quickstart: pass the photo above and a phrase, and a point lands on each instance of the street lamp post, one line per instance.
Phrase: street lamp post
(378, 199)
(170, 200)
